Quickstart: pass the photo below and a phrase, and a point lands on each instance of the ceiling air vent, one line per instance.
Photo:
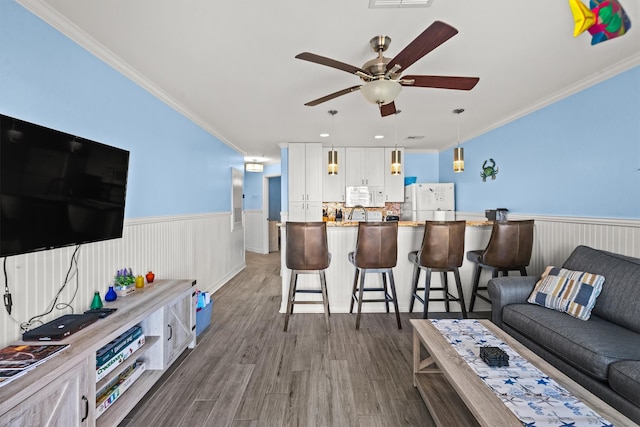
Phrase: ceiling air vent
(380, 4)
(415, 137)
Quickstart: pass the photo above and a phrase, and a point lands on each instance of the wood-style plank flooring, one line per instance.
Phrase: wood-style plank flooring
(245, 371)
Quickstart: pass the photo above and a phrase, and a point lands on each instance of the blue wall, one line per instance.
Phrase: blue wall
(175, 166)
(253, 188)
(424, 166)
(577, 157)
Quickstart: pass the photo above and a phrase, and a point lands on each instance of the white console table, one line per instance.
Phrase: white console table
(62, 391)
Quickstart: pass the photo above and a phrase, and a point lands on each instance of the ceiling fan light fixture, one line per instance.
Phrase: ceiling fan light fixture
(381, 92)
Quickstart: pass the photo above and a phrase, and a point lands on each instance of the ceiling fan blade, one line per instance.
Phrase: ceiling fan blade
(436, 34)
(333, 95)
(388, 109)
(322, 60)
(442, 82)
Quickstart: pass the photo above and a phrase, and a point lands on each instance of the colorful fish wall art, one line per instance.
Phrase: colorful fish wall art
(604, 19)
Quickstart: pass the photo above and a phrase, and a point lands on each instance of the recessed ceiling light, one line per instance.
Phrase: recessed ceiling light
(379, 136)
(324, 135)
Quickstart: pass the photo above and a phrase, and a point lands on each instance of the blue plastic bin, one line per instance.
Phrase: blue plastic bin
(203, 318)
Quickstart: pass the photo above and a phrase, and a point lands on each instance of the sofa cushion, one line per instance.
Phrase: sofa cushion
(624, 377)
(618, 301)
(590, 346)
(568, 291)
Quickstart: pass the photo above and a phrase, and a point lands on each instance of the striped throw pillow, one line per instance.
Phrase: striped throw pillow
(568, 291)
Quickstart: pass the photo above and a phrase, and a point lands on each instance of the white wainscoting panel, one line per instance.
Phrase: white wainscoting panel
(255, 224)
(201, 247)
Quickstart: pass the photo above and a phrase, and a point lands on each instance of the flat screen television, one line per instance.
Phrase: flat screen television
(57, 189)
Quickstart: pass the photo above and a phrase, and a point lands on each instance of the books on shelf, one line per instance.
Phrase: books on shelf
(107, 352)
(112, 391)
(16, 360)
(119, 357)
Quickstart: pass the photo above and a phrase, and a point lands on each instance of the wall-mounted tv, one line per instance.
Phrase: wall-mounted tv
(57, 189)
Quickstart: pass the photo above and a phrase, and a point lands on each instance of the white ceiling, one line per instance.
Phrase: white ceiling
(230, 66)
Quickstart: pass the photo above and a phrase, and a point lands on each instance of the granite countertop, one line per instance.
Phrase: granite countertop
(341, 224)
(405, 223)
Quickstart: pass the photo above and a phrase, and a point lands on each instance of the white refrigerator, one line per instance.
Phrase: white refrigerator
(428, 202)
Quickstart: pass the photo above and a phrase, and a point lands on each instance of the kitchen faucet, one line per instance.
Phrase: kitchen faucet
(366, 219)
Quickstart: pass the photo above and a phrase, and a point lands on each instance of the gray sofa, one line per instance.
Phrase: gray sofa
(603, 353)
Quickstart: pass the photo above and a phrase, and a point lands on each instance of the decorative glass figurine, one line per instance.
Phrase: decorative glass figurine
(111, 294)
(97, 301)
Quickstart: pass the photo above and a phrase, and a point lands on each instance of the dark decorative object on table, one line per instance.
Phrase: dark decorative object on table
(494, 356)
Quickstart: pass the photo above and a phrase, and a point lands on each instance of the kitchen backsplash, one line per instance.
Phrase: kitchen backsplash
(332, 207)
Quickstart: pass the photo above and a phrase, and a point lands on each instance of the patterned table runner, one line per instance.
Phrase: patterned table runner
(532, 396)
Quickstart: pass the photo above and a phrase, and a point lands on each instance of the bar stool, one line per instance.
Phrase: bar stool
(509, 249)
(442, 251)
(307, 253)
(376, 252)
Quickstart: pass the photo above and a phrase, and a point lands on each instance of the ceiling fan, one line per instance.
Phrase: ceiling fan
(382, 76)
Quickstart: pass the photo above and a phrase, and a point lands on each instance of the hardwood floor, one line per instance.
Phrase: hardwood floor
(245, 371)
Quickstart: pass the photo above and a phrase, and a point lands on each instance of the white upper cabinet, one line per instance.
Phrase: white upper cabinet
(333, 186)
(305, 172)
(393, 184)
(305, 181)
(365, 166)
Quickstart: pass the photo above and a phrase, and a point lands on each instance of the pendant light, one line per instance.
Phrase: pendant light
(332, 165)
(396, 155)
(458, 152)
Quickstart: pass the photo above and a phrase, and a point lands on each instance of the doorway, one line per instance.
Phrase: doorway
(272, 196)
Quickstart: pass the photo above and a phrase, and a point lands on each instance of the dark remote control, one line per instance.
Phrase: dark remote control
(101, 312)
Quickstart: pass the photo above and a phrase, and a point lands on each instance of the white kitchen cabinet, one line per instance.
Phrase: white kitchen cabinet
(305, 181)
(393, 184)
(365, 166)
(305, 211)
(333, 186)
(177, 315)
(65, 401)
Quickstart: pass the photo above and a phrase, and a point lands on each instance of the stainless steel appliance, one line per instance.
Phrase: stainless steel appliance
(428, 201)
(369, 197)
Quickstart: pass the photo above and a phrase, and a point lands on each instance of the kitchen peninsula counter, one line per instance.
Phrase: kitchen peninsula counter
(342, 236)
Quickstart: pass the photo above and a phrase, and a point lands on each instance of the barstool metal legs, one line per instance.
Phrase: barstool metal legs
(476, 283)
(292, 290)
(388, 297)
(291, 299)
(447, 297)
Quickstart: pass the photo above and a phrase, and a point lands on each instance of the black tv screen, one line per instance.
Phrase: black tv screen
(57, 189)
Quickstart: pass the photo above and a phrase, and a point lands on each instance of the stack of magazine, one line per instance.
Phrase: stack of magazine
(17, 360)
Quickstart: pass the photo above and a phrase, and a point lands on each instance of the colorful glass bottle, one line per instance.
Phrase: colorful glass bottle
(111, 294)
(97, 301)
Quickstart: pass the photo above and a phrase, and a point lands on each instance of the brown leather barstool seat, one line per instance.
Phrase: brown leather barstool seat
(442, 251)
(509, 249)
(376, 252)
(307, 253)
